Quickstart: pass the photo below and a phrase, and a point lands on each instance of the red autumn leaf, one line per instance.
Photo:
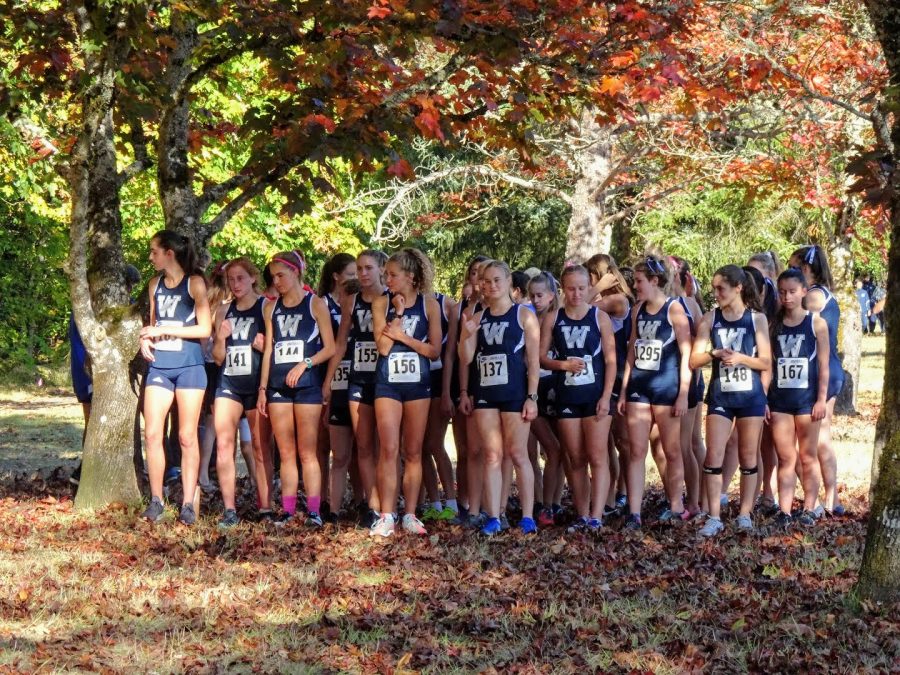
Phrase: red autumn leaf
(401, 169)
(376, 12)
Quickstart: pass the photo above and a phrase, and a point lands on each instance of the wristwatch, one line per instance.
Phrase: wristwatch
(308, 362)
(533, 397)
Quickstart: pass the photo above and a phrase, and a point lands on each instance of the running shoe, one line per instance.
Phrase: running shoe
(187, 515)
(265, 517)
(283, 519)
(154, 511)
(460, 518)
(723, 501)
(476, 521)
(313, 519)
(491, 527)
(669, 515)
(430, 514)
(383, 527)
(545, 518)
(807, 518)
(744, 523)
(711, 527)
(413, 525)
(331, 518)
(229, 519)
(783, 520)
(819, 512)
(504, 522)
(528, 526)
(207, 488)
(172, 474)
(621, 500)
(579, 525)
(634, 522)
(594, 524)
(446, 513)
(610, 511)
(369, 518)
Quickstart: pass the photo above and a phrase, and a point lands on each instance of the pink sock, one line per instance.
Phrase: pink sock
(289, 504)
(313, 503)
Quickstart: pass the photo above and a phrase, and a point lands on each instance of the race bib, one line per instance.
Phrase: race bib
(493, 370)
(648, 354)
(288, 351)
(168, 344)
(793, 373)
(586, 376)
(341, 375)
(735, 378)
(237, 360)
(403, 368)
(365, 356)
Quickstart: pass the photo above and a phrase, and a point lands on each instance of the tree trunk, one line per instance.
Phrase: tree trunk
(850, 330)
(879, 575)
(105, 321)
(586, 234)
(181, 208)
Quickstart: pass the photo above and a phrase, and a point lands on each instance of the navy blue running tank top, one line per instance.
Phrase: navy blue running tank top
(795, 380)
(734, 386)
(362, 343)
(403, 365)
(579, 338)
(295, 337)
(500, 368)
(831, 313)
(240, 370)
(175, 307)
(657, 358)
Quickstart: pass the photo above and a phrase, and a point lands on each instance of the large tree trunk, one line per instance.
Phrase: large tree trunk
(879, 575)
(96, 267)
(588, 233)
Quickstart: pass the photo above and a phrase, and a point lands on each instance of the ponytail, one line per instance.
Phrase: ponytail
(814, 258)
(734, 276)
(183, 248)
(414, 262)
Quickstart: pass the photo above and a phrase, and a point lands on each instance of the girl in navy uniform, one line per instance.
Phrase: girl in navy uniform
(179, 321)
(237, 349)
(813, 262)
(502, 342)
(798, 394)
(407, 326)
(356, 342)
(542, 290)
(581, 336)
(735, 338)
(298, 340)
(693, 451)
(470, 465)
(614, 297)
(435, 460)
(656, 385)
(336, 436)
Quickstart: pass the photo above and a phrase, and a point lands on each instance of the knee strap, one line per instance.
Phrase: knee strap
(712, 470)
(749, 472)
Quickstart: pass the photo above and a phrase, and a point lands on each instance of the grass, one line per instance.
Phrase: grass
(103, 592)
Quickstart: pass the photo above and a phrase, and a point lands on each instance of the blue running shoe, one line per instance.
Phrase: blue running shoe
(528, 526)
(491, 527)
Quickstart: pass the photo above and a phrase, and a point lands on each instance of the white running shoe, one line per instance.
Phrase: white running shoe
(413, 525)
(711, 528)
(383, 527)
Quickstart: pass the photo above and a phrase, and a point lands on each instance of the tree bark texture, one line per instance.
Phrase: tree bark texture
(587, 234)
(107, 325)
(879, 574)
(850, 329)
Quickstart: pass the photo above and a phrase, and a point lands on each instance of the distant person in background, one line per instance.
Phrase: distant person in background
(862, 297)
(80, 363)
(877, 313)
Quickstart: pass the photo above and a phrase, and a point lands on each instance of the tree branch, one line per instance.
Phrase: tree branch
(142, 159)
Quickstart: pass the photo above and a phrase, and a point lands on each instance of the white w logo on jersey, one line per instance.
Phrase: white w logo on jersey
(409, 324)
(791, 344)
(493, 332)
(288, 325)
(240, 327)
(166, 305)
(364, 319)
(732, 338)
(647, 329)
(575, 336)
